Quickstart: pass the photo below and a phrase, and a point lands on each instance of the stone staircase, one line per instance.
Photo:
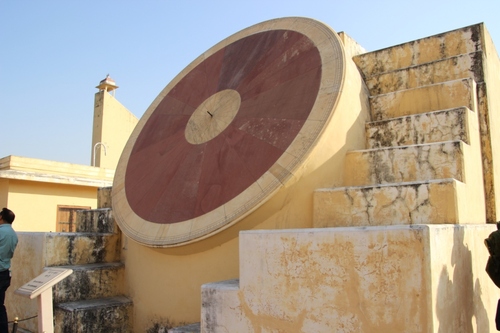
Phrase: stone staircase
(391, 248)
(422, 160)
(92, 298)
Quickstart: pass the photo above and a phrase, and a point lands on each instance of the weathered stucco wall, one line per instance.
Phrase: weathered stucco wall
(165, 283)
(373, 279)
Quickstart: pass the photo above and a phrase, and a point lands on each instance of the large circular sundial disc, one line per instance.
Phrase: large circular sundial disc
(228, 132)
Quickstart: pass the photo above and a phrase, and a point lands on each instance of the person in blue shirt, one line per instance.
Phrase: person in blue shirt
(8, 243)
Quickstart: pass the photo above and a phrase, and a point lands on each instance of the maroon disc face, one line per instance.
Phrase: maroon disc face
(228, 132)
(276, 75)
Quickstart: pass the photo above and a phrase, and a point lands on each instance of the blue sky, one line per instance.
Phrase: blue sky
(54, 53)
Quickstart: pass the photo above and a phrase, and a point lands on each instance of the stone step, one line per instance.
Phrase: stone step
(191, 328)
(90, 281)
(212, 295)
(405, 164)
(105, 315)
(96, 220)
(425, 50)
(458, 67)
(104, 197)
(426, 202)
(80, 248)
(440, 96)
(437, 126)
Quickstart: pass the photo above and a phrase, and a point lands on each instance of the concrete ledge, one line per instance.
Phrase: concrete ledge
(22, 168)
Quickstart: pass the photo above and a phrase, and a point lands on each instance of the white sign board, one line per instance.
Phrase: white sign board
(41, 287)
(43, 281)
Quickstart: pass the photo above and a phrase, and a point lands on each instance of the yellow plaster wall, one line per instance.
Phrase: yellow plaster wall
(165, 284)
(35, 203)
(113, 124)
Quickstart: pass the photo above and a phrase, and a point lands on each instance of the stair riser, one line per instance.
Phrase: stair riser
(447, 125)
(96, 221)
(104, 197)
(115, 319)
(80, 249)
(405, 164)
(445, 45)
(90, 284)
(191, 328)
(459, 67)
(442, 96)
(429, 203)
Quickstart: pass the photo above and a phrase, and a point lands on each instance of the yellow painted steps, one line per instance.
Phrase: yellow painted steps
(426, 50)
(454, 68)
(435, 97)
(400, 182)
(415, 148)
(405, 164)
(426, 202)
(414, 172)
(437, 126)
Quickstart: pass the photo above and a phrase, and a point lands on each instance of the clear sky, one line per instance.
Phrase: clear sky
(54, 53)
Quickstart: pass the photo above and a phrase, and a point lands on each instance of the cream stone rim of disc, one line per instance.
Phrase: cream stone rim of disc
(178, 234)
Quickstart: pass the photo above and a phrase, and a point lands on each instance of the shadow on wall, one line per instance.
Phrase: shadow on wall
(459, 300)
